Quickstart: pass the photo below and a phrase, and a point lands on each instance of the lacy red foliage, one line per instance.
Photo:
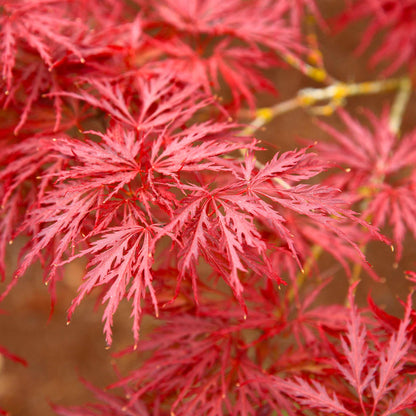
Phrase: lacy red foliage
(370, 369)
(378, 169)
(121, 147)
(397, 20)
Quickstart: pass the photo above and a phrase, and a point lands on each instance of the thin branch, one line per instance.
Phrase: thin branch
(400, 104)
(336, 95)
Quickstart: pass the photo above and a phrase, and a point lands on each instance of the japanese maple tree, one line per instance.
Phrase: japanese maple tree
(132, 141)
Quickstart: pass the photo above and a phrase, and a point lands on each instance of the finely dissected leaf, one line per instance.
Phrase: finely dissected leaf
(314, 395)
(47, 46)
(122, 261)
(8, 48)
(368, 153)
(395, 206)
(392, 359)
(209, 41)
(110, 405)
(194, 149)
(371, 370)
(380, 172)
(321, 204)
(212, 373)
(239, 67)
(405, 399)
(113, 180)
(206, 216)
(119, 146)
(162, 101)
(306, 326)
(396, 47)
(261, 21)
(113, 161)
(42, 25)
(357, 372)
(21, 163)
(289, 166)
(64, 212)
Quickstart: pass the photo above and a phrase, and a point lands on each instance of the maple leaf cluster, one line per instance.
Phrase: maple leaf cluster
(157, 169)
(369, 371)
(122, 147)
(377, 172)
(396, 19)
(349, 362)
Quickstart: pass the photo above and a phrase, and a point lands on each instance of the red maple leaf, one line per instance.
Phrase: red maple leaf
(379, 171)
(396, 20)
(213, 373)
(371, 374)
(203, 40)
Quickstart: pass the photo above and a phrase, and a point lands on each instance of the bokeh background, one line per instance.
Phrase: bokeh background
(58, 355)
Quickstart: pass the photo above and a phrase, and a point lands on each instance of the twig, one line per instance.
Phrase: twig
(336, 95)
(400, 104)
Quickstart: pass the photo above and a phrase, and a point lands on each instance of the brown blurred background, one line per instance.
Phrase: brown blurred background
(58, 354)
